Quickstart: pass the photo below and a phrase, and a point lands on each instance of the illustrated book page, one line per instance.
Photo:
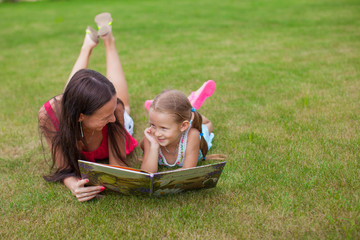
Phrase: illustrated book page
(134, 181)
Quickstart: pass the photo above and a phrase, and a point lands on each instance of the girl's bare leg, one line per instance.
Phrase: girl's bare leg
(114, 71)
(83, 58)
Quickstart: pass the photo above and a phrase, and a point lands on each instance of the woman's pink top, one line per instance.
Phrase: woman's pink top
(102, 151)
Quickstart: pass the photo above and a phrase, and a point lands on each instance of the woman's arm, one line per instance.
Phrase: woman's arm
(49, 131)
(192, 149)
(151, 152)
(77, 187)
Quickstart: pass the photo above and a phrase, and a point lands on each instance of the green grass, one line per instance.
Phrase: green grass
(286, 112)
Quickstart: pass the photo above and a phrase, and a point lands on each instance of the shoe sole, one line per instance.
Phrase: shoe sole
(93, 34)
(103, 21)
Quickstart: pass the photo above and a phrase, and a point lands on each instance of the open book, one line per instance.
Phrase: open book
(134, 181)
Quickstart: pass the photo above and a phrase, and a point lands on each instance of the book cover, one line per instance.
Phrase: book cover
(134, 181)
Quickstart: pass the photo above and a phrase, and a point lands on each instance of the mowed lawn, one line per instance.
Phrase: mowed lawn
(285, 110)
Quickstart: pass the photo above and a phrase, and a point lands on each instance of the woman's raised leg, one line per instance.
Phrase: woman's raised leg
(90, 41)
(114, 71)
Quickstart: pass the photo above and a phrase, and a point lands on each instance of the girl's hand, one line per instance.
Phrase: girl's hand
(151, 152)
(81, 192)
(150, 136)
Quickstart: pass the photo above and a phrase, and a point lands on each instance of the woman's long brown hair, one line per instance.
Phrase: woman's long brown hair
(86, 92)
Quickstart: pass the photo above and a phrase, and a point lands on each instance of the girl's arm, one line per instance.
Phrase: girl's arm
(151, 152)
(192, 149)
(77, 187)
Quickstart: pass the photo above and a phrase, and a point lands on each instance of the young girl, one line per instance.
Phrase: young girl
(178, 134)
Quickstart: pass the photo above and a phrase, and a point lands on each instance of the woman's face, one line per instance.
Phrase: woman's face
(100, 117)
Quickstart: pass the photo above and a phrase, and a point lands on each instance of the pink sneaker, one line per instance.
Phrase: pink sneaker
(147, 104)
(198, 98)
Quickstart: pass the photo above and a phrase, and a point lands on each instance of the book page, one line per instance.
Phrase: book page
(180, 180)
(121, 179)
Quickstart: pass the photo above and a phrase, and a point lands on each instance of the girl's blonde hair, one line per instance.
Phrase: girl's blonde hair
(177, 104)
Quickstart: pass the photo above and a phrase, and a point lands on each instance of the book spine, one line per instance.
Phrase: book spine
(151, 184)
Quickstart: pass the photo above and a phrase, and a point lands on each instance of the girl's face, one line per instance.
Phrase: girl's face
(164, 128)
(100, 117)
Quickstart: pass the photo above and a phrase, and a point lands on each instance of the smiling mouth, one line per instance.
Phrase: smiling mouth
(161, 141)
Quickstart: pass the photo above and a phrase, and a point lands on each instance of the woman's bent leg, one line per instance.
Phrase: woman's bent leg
(114, 71)
(83, 58)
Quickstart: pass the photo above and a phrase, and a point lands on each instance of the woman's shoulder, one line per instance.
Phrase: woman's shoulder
(53, 103)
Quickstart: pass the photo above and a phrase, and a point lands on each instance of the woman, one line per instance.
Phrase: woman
(88, 120)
